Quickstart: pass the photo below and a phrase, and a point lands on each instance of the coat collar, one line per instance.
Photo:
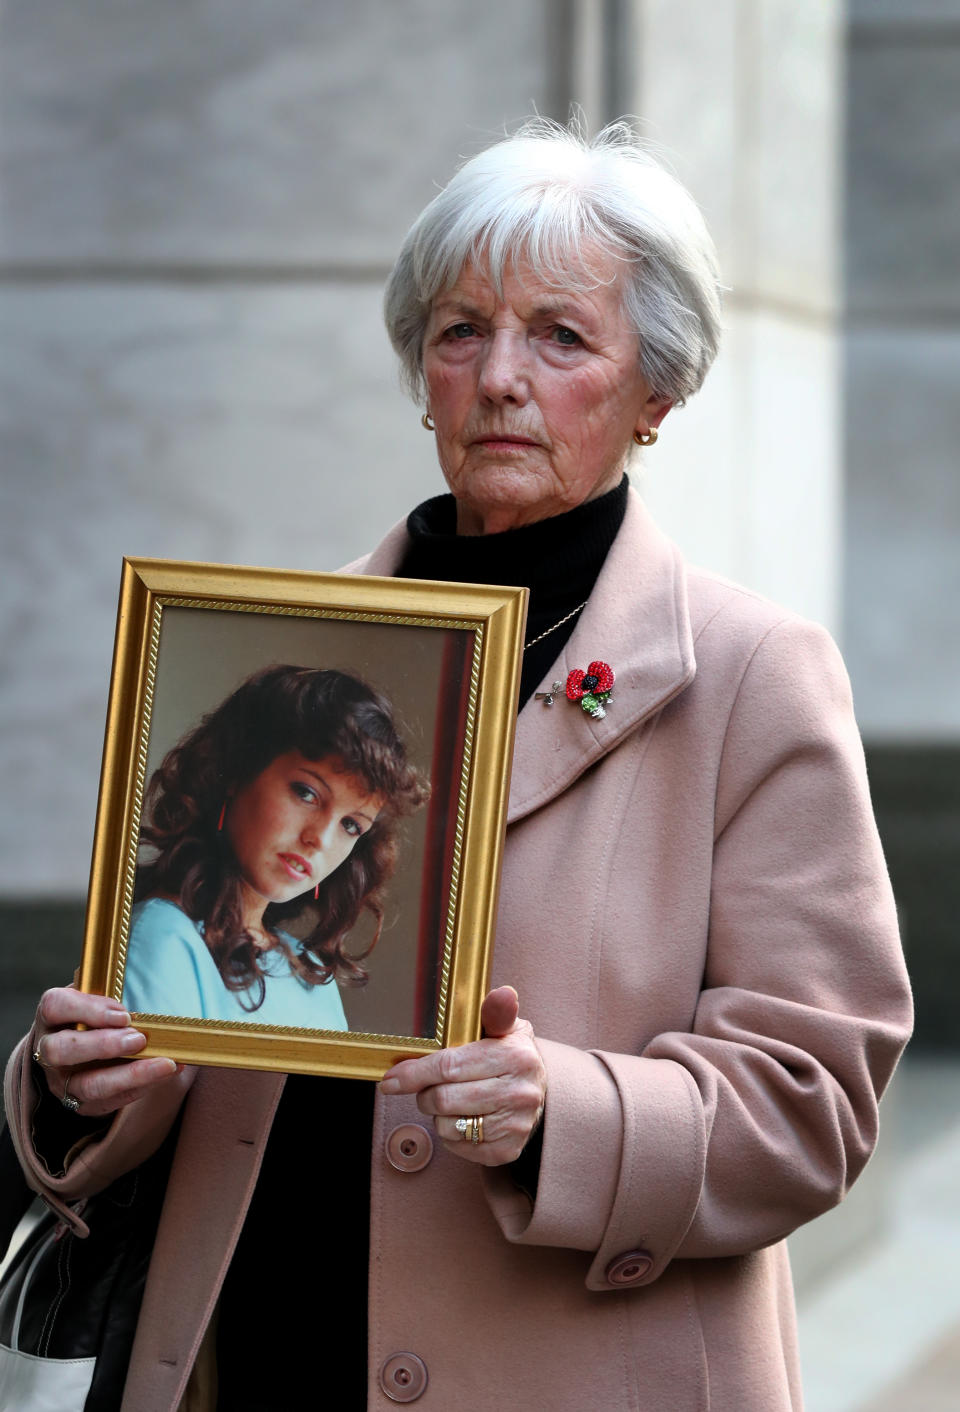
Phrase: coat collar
(637, 619)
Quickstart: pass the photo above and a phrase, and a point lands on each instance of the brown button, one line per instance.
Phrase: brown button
(630, 1268)
(403, 1377)
(409, 1147)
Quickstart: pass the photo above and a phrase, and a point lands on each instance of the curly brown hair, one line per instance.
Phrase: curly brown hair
(320, 713)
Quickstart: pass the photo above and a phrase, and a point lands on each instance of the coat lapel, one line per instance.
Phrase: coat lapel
(637, 620)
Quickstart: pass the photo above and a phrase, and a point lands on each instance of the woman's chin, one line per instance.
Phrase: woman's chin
(499, 502)
(299, 894)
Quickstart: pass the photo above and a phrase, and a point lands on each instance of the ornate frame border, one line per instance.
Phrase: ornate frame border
(494, 616)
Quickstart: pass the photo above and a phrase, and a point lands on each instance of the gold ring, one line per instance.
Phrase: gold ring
(462, 1126)
(477, 1134)
(37, 1056)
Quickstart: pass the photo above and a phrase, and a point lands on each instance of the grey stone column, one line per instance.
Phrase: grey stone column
(744, 99)
(903, 368)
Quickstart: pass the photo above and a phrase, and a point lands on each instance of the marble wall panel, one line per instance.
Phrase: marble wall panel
(791, 131)
(903, 517)
(746, 478)
(744, 99)
(903, 213)
(689, 49)
(694, 478)
(233, 131)
(793, 449)
(234, 424)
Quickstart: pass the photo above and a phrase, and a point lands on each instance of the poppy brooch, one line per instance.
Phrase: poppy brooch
(591, 688)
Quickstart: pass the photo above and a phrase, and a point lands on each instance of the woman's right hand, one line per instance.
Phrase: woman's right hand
(94, 1065)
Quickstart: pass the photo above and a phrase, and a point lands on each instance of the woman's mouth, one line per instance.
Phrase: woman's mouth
(296, 867)
(505, 444)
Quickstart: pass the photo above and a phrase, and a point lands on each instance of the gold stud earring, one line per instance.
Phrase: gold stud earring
(426, 421)
(645, 438)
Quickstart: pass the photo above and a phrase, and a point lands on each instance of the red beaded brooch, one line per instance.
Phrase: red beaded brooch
(591, 688)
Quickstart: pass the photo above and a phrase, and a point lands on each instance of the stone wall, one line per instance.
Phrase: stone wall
(903, 368)
(200, 205)
(746, 100)
(902, 550)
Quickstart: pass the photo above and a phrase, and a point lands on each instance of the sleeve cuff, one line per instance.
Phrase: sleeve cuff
(660, 1180)
(580, 1159)
(134, 1133)
(622, 1164)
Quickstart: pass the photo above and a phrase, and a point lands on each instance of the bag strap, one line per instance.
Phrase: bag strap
(37, 1256)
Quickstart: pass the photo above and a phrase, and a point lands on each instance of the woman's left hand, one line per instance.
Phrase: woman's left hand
(500, 1078)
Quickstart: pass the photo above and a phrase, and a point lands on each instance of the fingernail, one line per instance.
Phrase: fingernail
(389, 1085)
(118, 1016)
(132, 1041)
(113, 1004)
(164, 1067)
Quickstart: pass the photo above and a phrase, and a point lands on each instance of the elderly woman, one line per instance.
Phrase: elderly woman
(694, 913)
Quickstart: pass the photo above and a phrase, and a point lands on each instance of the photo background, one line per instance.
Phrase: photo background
(206, 653)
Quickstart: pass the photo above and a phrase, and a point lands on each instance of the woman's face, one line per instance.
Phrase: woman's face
(294, 823)
(535, 395)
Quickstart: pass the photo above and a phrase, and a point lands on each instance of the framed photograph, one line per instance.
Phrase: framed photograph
(301, 813)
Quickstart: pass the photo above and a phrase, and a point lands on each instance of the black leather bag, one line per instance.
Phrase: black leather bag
(69, 1305)
(15, 1195)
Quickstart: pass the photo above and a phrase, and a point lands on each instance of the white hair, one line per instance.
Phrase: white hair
(552, 194)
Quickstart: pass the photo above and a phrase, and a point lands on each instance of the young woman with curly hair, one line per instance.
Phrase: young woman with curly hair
(271, 828)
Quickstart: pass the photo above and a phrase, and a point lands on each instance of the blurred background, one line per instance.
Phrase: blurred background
(199, 204)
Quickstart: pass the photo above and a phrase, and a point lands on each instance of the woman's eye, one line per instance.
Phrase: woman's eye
(304, 792)
(352, 828)
(460, 331)
(566, 336)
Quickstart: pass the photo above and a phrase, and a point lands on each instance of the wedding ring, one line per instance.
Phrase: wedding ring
(37, 1056)
(68, 1099)
(477, 1133)
(462, 1126)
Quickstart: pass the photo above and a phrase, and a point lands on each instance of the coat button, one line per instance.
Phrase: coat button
(403, 1377)
(409, 1147)
(630, 1268)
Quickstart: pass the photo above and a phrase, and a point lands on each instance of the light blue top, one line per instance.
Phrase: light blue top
(169, 971)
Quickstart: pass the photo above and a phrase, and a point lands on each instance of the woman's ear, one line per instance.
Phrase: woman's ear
(654, 411)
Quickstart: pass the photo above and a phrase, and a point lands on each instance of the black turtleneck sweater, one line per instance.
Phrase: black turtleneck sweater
(306, 1238)
(558, 559)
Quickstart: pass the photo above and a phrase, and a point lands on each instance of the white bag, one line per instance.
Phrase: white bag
(29, 1383)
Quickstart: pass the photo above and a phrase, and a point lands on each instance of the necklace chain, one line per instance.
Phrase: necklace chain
(572, 614)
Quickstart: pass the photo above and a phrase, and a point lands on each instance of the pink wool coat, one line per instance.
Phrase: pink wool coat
(696, 914)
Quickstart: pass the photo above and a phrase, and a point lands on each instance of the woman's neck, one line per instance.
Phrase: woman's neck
(253, 908)
(558, 559)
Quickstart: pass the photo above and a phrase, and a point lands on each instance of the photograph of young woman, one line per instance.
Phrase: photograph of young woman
(270, 829)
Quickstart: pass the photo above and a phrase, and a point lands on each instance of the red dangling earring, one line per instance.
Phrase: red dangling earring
(316, 893)
(223, 810)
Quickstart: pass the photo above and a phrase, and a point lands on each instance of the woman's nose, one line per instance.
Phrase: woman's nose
(319, 834)
(504, 372)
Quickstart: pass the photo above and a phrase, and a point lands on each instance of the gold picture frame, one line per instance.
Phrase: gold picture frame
(446, 657)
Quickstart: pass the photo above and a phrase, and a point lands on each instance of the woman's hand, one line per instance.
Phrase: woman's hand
(500, 1078)
(93, 1066)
